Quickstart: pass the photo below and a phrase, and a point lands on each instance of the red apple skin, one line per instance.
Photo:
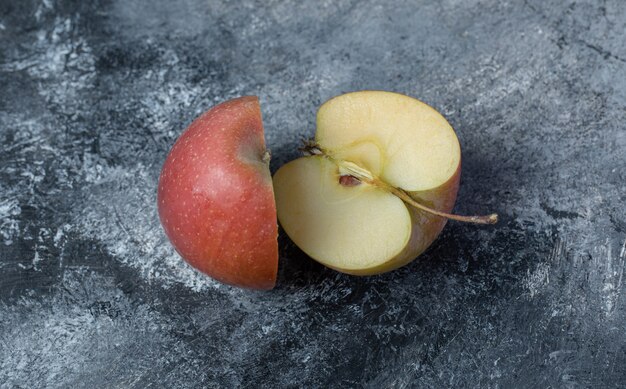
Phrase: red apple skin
(216, 200)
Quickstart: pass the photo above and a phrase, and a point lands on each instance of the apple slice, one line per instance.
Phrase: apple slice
(215, 196)
(378, 186)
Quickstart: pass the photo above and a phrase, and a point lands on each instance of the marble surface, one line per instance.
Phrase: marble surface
(93, 94)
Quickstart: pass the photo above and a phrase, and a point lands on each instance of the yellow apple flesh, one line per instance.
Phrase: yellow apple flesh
(344, 206)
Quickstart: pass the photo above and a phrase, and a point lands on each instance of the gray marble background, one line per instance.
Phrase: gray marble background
(93, 94)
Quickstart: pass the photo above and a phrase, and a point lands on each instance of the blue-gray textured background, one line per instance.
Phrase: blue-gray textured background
(93, 94)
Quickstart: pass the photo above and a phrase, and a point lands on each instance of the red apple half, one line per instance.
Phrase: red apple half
(215, 196)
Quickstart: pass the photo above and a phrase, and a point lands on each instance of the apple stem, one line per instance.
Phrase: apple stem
(486, 219)
(310, 147)
(348, 168)
(267, 156)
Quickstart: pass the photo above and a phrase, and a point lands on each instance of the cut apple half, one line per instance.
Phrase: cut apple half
(377, 187)
(215, 196)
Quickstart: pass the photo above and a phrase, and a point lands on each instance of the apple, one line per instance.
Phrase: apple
(215, 196)
(377, 185)
(374, 191)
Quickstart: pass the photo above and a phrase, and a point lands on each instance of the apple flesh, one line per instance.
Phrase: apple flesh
(215, 196)
(379, 184)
